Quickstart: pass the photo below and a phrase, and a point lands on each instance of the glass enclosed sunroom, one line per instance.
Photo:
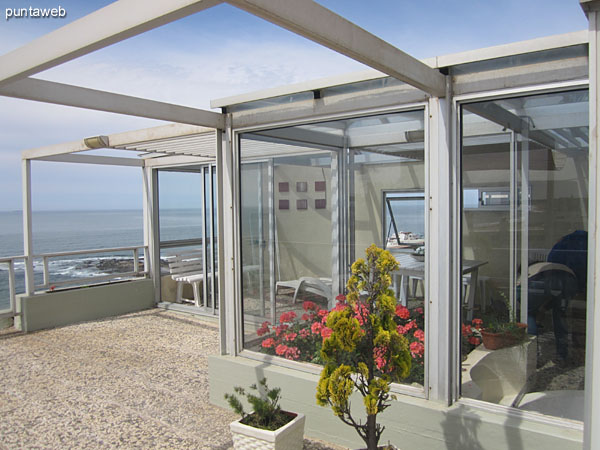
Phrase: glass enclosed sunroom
(484, 190)
(471, 196)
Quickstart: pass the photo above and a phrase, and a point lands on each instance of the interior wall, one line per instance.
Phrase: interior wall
(304, 237)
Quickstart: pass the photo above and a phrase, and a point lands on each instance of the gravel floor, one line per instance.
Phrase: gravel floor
(135, 381)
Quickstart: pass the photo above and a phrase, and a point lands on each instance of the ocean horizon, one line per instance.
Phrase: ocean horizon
(71, 230)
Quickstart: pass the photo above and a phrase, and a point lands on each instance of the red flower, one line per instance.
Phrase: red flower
(340, 306)
(268, 343)
(281, 349)
(465, 330)
(292, 353)
(323, 313)
(410, 325)
(361, 312)
(326, 332)
(264, 329)
(473, 340)
(287, 317)
(341, 298)
(402, 312)
(316, 327)
(304, 333)
(280, 329)
(291, 336)
(309, 306)
(402, 329)
(419, 310)
(416, 349)
(305, 317)
(379, 354)
(477, 323)
(420, 335)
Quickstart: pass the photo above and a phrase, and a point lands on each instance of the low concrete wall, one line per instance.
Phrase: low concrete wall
(49, 310)
(411, 423)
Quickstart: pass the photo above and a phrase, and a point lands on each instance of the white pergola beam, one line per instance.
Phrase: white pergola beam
(319, 24)
(65, 94)
(57, 149)
(180, 160)
(114, 23)
(94, 159)
(161, 132)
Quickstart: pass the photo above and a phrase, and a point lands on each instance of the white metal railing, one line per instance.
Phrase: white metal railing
(136, 272)
(12, 291)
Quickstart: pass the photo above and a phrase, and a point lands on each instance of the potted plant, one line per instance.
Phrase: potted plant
(503, 334)
(504, 331)
(364, 351)
(267, 426)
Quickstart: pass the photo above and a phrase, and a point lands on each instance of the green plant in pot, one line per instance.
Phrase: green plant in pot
(364, 351)
(267, 426)
(501, 332)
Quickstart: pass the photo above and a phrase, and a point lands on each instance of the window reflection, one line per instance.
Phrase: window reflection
(525, 214)
(313, 198)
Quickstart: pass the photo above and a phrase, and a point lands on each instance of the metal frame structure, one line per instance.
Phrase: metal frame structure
(206, 137)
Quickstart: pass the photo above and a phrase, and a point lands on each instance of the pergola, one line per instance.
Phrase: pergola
(199, 136)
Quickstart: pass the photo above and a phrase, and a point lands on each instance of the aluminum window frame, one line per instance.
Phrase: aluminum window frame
(237, 263)
(455, 366)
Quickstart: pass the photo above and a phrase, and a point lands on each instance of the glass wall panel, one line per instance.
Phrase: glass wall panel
(313, 198)
(187, 226)
(524, 250)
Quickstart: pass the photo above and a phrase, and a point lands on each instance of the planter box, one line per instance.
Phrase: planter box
(288, 437)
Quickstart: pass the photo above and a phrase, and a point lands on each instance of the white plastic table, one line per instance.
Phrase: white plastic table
(412, 266)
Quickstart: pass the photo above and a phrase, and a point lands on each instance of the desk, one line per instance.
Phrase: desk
(412, 266)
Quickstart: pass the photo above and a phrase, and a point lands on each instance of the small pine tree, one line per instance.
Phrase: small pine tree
(364, 351)
(266, 412)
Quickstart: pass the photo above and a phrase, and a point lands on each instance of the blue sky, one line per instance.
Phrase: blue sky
(216, 53)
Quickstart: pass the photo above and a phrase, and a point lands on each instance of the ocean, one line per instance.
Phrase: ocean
(60, 231)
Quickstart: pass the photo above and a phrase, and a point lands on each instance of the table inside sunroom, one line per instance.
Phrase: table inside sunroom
(412, 269)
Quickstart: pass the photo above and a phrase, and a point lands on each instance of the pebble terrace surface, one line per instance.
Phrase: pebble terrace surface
(134, 381)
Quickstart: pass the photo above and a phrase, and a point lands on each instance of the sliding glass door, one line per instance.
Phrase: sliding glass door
(524, 222)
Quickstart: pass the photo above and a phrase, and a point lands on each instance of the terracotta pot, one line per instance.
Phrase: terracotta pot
(494, 341)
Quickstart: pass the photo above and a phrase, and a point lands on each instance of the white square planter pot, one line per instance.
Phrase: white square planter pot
(288, 437)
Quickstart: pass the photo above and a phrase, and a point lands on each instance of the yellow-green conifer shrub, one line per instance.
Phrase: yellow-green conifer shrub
(364, 351)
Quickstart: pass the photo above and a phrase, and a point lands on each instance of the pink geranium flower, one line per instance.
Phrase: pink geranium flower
(309, 306)
(304, 333)
(268, 343)
(402, 312)
(420, 335)
(281, 349)
(291, 336)
(416, 349)
(326, 332)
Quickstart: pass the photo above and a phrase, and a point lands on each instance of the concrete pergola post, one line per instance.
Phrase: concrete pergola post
(591, 433)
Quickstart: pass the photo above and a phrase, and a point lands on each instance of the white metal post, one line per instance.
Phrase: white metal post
(27, 228)
(151, 230)
(336, 263)
(224, 303)
(439, 232)
(272, 237)
(230, 319)
(524, 222)
(205, 268)
(591, 427)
